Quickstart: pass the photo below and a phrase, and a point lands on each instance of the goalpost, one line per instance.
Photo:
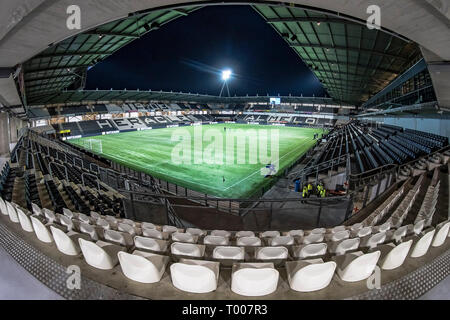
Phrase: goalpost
(93, 145)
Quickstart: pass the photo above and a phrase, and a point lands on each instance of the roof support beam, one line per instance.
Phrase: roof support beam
(69, 54)
(112, 34)
(30, 71)
(312, 19)
(69, 75)
(39, 85)
(325, 47)
(180, 12)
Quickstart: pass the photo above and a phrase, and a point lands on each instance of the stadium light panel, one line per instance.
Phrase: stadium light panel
(226, 74)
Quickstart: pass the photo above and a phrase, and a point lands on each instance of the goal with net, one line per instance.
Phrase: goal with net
(93, 145)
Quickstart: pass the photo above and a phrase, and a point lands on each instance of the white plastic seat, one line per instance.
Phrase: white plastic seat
(95, 215)
(195, 276)
(357, 266)
(312, 250)
(270, 234)
(282, 241)
(254, 279)
(231, 253)
(170, 229)
(69, 214)
(422, 245)
(187, 249)
(64, 242)
(3, 208)
(357, 226)
(84, 218)
(318, 231)
(340, 235)
(296, 233)
(125, 227)
(143, 267)
(25, 221)
(103, 223)
(68, 223)
(374, 240)
(150, 244)
(216, 240)
(418, 226)
(271, 253)
(313, 238)
(347, 245)
(440, 236)
(118, 237)
(310, 275)
(400, 233)
(112, 219)
(49, 215)
(241, 234)
(364, 232)
(338, 229)
(12, 212)
(100, 255)
(89, 230)
(196, 232)
(221, 233)
(153, 233)
(384, 227)
(396, 255)
(36, 210)
(148, 225)
(41, 230)
(183, 237)
(128, 222)
(249, 242)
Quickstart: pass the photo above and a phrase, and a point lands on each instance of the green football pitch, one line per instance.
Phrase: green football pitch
(175, 154)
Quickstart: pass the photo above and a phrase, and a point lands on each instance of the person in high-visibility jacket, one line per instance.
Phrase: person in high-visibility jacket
(305, 192)
(310, 189)
(319, 189)
(323, 193)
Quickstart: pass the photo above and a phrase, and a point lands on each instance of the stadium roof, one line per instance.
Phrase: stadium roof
(65, 64)
(351, 61)
(104, 96)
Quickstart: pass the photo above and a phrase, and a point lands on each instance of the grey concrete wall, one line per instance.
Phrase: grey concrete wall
(4, 134)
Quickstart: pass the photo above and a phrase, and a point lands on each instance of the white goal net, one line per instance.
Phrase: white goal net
(94, 145)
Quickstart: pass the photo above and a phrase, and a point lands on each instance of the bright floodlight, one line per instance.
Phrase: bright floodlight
(226, 74)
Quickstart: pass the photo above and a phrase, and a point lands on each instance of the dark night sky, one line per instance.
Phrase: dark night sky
(189, 53)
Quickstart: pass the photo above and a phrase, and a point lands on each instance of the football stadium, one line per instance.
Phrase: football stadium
(224, 150)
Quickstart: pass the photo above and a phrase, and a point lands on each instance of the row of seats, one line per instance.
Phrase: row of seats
(103, 200)
(7, 178)
(142, 263)
(379, 213)
(373, 148)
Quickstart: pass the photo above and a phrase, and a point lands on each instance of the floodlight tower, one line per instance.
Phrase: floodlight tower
(226, 75)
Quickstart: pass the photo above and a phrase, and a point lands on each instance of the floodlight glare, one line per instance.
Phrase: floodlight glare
(226, 74)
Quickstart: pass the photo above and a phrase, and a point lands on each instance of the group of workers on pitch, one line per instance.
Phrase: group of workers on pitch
(309, 189)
